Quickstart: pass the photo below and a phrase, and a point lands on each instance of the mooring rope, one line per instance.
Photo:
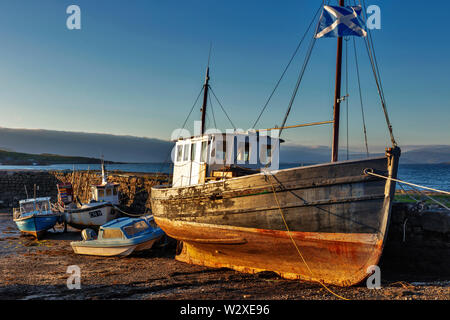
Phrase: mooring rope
(370, 172)
(128, 214)
(295, 244)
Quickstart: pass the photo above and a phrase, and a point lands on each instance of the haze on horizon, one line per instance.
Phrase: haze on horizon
(136, 69)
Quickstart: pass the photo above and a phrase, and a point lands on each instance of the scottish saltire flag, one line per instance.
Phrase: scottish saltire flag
(340, 22)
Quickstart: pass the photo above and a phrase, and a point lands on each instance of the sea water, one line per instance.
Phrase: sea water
(430, 175)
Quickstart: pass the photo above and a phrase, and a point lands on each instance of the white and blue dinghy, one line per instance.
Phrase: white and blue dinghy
(119, 237)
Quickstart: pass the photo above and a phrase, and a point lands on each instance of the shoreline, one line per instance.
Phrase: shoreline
(34, 269)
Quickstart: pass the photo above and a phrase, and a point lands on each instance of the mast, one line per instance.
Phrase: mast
(337, 98)
(205, 99)
(205, 92)
(104, 174)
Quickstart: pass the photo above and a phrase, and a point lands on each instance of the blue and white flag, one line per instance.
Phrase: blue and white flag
(340, 22)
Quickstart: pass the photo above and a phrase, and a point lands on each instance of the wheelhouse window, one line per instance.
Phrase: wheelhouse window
(243, 151)
(204, 151)
(193, 151)
(221, 152)
(179, 152)
(265, 152)
(101, 193)
(186, 152)
(108, 192)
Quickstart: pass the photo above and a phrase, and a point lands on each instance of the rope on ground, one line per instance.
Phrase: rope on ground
(370, 172)
(295, 244)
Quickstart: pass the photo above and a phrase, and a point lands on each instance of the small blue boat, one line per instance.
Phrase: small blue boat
(35, 216)
(119, 237)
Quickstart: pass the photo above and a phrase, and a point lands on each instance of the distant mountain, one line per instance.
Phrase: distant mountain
(426, 154)
(135, 149)
(17, 158)
(113, 147)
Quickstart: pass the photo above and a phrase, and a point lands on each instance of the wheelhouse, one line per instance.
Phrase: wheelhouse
(35, 206)
(217, 156)
(108, 192)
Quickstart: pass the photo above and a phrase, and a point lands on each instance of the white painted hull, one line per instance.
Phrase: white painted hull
(90, 217)
(120, 251)
(106, 252)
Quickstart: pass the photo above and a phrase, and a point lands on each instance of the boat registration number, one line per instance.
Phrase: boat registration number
(95, 213)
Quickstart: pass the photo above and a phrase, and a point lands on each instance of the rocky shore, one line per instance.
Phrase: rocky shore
(414, 264)
(32, 269)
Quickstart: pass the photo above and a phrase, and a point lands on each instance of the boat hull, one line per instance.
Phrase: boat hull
(91, 217)
(89, 248)
(322, 223)
(36, 225)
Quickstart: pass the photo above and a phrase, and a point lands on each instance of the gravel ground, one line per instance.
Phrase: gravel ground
(32, 269)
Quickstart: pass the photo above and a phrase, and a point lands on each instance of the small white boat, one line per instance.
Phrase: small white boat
(119, 237)
(99, 210)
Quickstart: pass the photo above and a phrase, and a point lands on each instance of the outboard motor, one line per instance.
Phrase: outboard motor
(88, 234)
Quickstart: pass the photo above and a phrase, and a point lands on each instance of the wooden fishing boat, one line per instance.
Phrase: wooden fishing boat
(120, 237)
(35, 216)
(325, 222)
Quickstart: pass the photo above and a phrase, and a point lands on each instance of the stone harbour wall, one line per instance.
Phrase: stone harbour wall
(134, 188)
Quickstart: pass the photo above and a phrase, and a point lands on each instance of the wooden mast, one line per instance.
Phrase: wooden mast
(337, 98)
(205, 99)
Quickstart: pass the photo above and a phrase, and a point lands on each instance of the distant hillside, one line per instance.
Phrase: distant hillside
(427, 155)
(17, 158)
(75, 145)
(113, 147)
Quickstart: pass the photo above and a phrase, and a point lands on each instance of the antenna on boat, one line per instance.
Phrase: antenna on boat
(337, 98)
(205, 93)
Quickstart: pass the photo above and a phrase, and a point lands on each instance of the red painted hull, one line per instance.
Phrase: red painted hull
(255, 250)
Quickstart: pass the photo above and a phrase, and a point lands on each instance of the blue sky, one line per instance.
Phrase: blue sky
(136, 67)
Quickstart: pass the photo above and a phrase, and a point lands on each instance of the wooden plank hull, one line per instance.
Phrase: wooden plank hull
(319, 223)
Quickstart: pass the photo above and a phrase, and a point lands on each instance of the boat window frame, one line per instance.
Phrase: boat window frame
(186, 149)
(204, 151)
(193, 151)
(136, 231)
(111, 231)
(179, 152)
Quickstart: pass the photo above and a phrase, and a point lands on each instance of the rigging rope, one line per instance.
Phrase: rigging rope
(360, 98)
(184, 124)
(376, 72)
(234, 127)
(346, 88)
(286, 68)
(299, 80)
(212, 109)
